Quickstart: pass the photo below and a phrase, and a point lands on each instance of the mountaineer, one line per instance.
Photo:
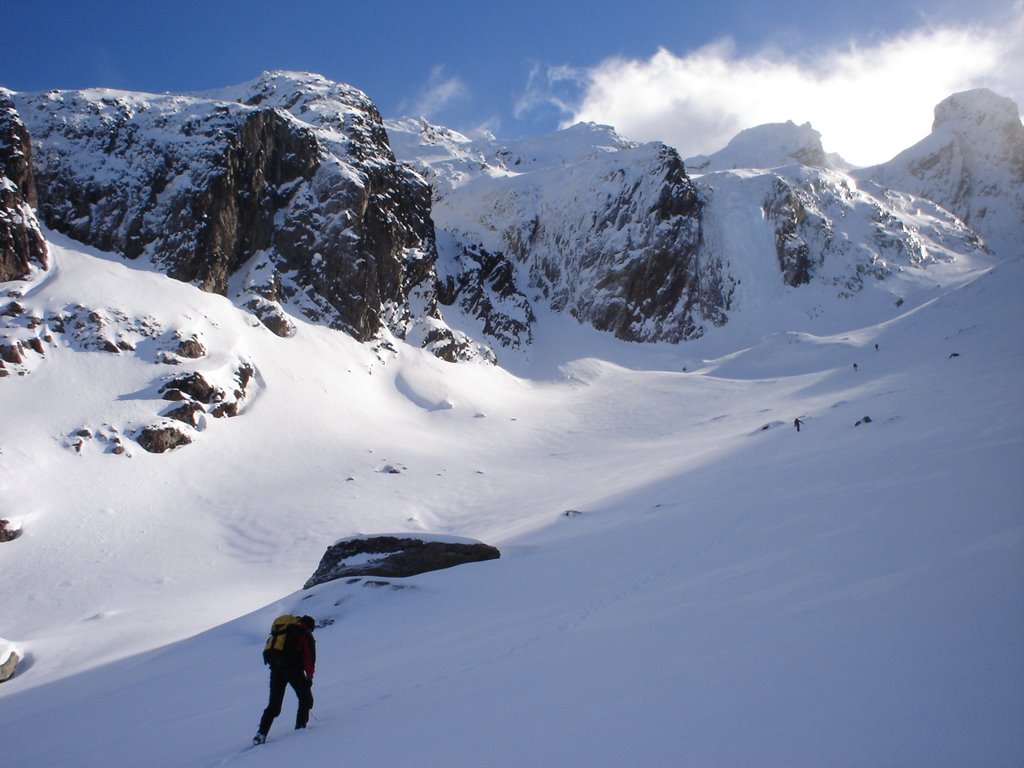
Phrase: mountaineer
(290, 652)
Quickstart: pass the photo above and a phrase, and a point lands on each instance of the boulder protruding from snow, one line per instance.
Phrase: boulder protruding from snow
(9, 532)
(397, 556)
(9, 660)
(162, 438)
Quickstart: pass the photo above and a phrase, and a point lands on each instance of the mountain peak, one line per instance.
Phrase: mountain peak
(769, 146)
(972, 163)
(968, 111)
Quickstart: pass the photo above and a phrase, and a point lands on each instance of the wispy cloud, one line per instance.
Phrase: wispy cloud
(869, 101)
(439, 92)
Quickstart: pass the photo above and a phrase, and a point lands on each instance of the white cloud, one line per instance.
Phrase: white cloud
(868, 101)
(438, 92)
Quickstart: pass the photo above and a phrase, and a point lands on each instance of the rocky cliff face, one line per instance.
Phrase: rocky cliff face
(282, 193)
(581, 220)
(971, 164)
(21, 242)
(826, 228)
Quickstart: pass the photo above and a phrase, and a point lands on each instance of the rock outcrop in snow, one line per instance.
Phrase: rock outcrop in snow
(396, 556)
(21, 242)
(972, 164)
(9, 660)
(8, 532)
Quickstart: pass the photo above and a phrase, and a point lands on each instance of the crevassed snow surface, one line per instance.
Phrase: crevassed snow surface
(731, 593)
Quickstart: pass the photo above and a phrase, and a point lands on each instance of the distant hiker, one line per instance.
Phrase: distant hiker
(854, 367)
(290, 653)
(876, 347)
(797, 423)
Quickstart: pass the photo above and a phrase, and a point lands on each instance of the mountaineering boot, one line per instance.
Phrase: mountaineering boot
(259, 738)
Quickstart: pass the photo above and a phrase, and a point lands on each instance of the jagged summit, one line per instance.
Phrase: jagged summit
(769, 146)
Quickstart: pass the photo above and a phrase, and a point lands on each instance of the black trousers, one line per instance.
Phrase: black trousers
(280, 679)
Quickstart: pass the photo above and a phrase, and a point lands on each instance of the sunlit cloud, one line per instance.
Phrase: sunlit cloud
(869, 101)
(439, 92)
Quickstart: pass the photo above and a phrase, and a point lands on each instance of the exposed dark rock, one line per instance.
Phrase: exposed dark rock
(21, 241)
(226, 409)
(243, 376)
(191, 348)
(10, 352)
(191, 384)
(159, 439)
(188, 413)
(272, 316)
(7, 533)
(398, 557)
(784, 207)
(485, 287)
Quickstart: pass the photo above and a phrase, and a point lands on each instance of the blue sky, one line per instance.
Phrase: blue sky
(690, 73)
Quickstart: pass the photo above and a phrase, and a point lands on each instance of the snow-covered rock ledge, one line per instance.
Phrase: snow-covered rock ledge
(397, 555)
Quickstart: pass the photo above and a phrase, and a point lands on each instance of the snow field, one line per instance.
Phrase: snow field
(728, 594)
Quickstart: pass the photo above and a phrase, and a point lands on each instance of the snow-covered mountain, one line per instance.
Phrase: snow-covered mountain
(281, 193)
(769, 146)
(972, 164)
(582, 220)
(284, 194)
(685, 577)
(621, 237)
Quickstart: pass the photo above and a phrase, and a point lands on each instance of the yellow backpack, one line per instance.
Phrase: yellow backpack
(281, 641)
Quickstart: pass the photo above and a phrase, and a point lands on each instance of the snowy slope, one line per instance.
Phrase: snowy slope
(732, 592)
